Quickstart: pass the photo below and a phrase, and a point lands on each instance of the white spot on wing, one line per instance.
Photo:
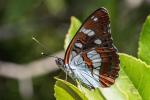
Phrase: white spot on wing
(92, 17)
(91, 33)
(78, 45)
(88, 32)
(95, 19)
(96, 65)
(109, 30)
(98, 41)
(89, 55)
(95, 57)
(93, 52)
(82, 29)
(96, 60)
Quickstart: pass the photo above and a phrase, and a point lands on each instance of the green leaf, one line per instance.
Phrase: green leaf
(138, 72)
(62, 94)
(144, 43)
(123, 89)
(67, 91)
(94, 94)
(74, 26)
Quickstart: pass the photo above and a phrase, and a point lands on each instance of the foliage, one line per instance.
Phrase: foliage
(48, 21)
(144, 44)
(134, 77)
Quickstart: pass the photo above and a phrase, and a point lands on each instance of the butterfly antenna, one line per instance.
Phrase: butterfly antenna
(42, 53)
(43, 47)
(33, 38)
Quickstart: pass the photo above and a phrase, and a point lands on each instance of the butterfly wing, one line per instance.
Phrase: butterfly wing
(95, 33)
(109, 67)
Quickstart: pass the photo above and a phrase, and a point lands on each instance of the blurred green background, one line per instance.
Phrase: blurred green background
(48, 21)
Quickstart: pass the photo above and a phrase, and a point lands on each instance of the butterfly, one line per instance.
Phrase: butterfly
(91, 58)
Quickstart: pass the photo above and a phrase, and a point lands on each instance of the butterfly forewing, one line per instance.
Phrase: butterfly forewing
(94, 32)
(93, 44)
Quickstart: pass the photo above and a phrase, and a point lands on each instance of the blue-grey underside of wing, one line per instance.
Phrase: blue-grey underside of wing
(81, 72)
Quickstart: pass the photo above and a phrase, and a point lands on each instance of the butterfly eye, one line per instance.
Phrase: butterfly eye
(59, 62)
(92, 17)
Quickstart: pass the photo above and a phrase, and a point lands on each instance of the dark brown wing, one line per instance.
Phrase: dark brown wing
(95, 32)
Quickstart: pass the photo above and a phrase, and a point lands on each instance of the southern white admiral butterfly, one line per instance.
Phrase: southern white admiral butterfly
(91, 57)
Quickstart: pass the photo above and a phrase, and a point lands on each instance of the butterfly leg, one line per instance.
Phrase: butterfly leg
(66, 75)
(79, 84)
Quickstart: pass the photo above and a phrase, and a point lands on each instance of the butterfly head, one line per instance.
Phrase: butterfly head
(60, 62)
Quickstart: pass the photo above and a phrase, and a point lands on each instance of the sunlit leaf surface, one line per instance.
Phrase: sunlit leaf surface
(67, 91)
(144, 42)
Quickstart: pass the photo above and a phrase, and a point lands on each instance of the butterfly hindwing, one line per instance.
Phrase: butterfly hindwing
(110, 66)
(103, 63)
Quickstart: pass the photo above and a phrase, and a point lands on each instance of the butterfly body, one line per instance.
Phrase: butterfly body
(91, 57)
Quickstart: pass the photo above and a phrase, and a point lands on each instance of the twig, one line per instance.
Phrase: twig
(32, 69)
